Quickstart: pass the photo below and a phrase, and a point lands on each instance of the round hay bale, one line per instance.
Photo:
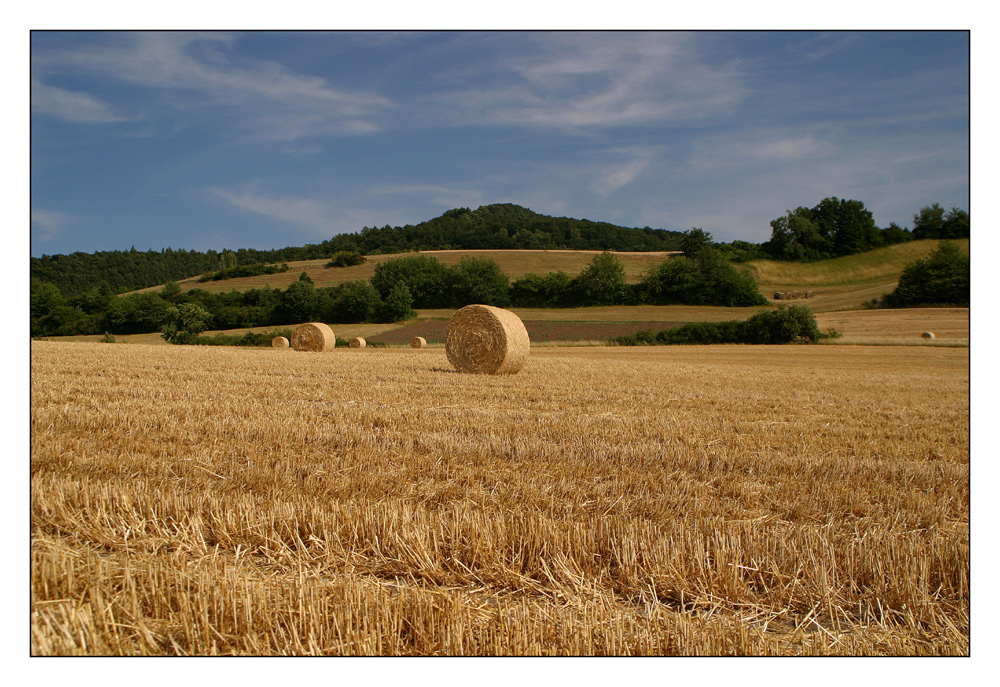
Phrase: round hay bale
(808, 294)
(488, 340)
(357, 342)
(313, 336)
(779, 296)
(418, 342)
(928, 335)
(279, 342)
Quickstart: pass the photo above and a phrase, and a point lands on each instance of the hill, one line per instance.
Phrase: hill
(502, 226)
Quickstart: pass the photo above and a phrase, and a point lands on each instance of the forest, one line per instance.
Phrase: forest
(78, 293)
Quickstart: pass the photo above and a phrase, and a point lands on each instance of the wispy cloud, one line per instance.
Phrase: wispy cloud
(617, 175)
(49, 223)
(758, 148)
(191, 72)
(316, 219)
(821, 45)
(305, 212)
(70, 105)
(610, 79)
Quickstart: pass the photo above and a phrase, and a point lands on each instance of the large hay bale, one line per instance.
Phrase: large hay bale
(313, 336)
(928, 335)
(279, 342)
(485, 339)
(418, 342)
(357, 342)
(779, 296)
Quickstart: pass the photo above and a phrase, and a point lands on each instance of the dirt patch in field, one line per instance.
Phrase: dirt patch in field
(435, 331)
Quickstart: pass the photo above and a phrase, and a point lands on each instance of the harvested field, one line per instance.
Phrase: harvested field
(725, 500)
(435, 330)
(950, 325)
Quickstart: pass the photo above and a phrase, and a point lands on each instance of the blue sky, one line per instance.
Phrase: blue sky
(269, 139)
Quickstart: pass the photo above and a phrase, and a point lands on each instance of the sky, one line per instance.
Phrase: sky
(211, 140)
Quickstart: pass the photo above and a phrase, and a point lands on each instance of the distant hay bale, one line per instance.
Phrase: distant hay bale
(488, 340)
(279, 342)
(357, 342)
(313, 336)
(779, 296)
(928, 335)
(791, 295)
(418, 342)
(807, 294)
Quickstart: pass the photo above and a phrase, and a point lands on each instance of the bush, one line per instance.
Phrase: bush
(780, 326)
(354, 301)
(425, 278)
(479, 280)
(942, 278)
(534, 291)
(707, 279)
(398, 305)
(346, 258)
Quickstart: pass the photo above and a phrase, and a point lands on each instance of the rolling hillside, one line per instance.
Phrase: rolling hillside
(838, 284)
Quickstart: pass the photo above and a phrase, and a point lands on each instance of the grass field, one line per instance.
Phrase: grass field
(839, 283)
(897, 326)
(674, 500)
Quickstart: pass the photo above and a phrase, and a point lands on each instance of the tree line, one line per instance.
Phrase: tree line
(397, 287)
(501, 226)
(832, 228)
(837, 227)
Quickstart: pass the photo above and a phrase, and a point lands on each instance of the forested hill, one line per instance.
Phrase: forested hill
(490, 226)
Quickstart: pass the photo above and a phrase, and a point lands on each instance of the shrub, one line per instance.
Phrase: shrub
(346, 258)
(481, 281)
(425, 278)
(780, 326)
(942, 278)
(355, 301)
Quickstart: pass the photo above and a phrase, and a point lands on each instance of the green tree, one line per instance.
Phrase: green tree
(185, 322)
(675, 280)
(479, 280)
(299, 302)
(398, 305)
(942, 278)
(356, 301)
(720, 283)
(425, 278)
(137, 313)
(694, 240)
(602, 282)
(171, 291)
(928, 222)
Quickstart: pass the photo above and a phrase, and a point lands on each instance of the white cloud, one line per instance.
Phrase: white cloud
(70, 105)
(615, 176)
(191, 71)
(319, 219)
(49, 223)
(757, 148)
(305, 212)
(601, 79)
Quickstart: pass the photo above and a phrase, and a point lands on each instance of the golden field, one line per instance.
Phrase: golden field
(673, 500)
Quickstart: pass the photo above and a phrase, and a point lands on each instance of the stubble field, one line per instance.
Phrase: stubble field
(676, 500)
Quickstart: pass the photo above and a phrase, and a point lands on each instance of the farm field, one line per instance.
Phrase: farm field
(593, 325)
(717, 500)
(838, 283)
